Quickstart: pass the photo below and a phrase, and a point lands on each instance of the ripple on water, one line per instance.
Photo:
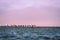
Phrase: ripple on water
(26, 34)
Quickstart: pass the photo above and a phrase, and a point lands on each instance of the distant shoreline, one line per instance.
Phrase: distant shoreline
(30, 26)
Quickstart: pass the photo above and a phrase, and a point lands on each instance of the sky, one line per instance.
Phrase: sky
(26, 12)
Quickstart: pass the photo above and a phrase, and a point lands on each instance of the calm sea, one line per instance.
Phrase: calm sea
(29, 33)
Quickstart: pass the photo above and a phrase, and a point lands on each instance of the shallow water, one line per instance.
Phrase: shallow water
(29, 33)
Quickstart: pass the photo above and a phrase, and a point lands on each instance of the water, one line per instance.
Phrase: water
(29, 33)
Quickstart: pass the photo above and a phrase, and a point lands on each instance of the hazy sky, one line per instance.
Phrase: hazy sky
(37, 12)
